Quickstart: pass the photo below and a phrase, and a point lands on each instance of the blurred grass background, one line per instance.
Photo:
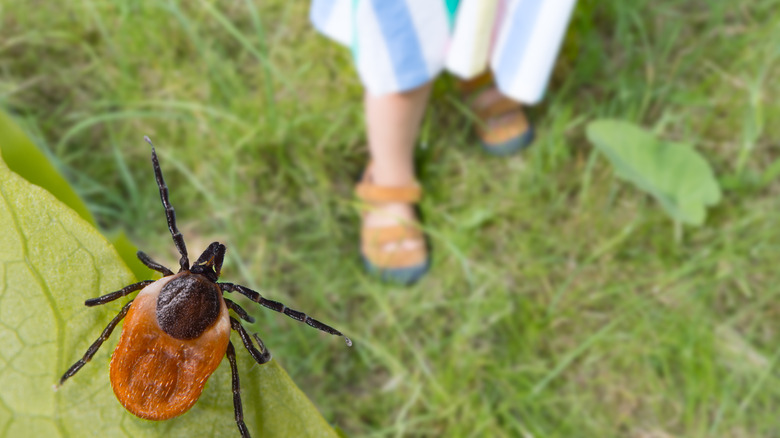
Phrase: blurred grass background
(559, 303)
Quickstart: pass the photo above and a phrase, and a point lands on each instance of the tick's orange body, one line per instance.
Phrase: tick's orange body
(156, 376)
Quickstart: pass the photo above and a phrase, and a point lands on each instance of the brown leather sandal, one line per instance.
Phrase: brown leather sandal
(503, 126)
(401, 265)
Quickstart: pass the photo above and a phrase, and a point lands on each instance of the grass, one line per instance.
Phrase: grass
(559, 303)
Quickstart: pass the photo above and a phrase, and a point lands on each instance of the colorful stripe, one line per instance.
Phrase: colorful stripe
(472, 37)
(432, 17)
(452, 7)
(374, 61)
(400, 40)
(320, 12)
(513, 39)
(334, 18)
(399, 45)
(535, 54)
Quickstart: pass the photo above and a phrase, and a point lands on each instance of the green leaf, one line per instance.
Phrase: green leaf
(51, 260)
(22, 157)
(673, 173)
(25, 159)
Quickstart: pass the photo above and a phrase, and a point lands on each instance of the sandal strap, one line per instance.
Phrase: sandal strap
(398, 259)
(500, 133)
(395, 233)
(474, 87)
(498, 108)
(374, 239)
(368, 192)
(479, 83)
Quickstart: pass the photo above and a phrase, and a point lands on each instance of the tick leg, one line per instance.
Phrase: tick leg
(151, 264)
(281, 308)
(231, 355)
(107, 298)
(260, 356)
(96, 345)
(178, 240)
(239, 310)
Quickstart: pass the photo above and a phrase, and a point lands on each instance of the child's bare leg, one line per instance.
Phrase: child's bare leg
(393, 123)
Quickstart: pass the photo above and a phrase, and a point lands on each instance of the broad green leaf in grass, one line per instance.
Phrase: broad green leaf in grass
(673, 173)
(51, 260)
(22, 157)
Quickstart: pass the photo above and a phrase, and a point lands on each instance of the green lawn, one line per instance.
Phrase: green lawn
(559, 304)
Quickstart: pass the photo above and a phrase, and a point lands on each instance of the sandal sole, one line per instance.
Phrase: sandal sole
(510, 146)
(402, 276)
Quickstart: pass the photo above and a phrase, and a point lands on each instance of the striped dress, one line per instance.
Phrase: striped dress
(399, 45)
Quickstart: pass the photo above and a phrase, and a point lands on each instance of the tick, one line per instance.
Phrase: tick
(177, 330)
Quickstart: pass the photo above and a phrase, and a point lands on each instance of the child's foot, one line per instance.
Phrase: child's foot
(391, 214)
(392, 244)
(503, 126)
